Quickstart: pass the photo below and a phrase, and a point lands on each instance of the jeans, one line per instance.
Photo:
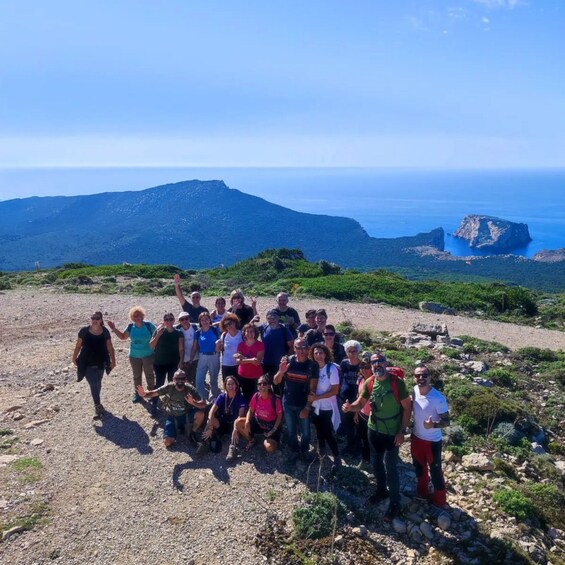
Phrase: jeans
(384, 456)
(94, 378)
(293, 421)
(211, 364)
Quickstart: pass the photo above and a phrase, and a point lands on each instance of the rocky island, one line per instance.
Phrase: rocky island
(492, 234)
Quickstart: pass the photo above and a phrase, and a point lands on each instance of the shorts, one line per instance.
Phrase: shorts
(257, 429)
(176, 424)
(226, 428)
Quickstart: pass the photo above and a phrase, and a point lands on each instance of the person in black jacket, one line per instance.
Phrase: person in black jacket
(94, 354)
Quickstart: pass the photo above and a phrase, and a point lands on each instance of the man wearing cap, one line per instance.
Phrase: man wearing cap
(391, 410)
(188, 331)
(278, 341)
(288, 315)
(193, 309)
(431, 414)
(180, 400)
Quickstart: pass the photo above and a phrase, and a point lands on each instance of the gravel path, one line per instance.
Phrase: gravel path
(115, 494)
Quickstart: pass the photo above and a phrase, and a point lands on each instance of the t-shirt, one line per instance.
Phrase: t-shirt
(206, 339)
(424, 406)
(245, 314)
(276, 343)
(327, 377)
(230, 343)
(338, 352)
(314, 336)
(175, 400)
(366, 410)
(228, 409)
(289, 318)
(188, 335)
(167, 348)
(297, 381)
(264, 410)
(349, 377)
(303, 328)
(139, 338)
(389, 412)
(193, 311)
(249, 370)
(94, 346)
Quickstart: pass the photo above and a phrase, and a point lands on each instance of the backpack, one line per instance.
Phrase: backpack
(146, 324)
(395, 374)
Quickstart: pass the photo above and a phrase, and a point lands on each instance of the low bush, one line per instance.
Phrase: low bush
(317, 517)
(537, 355)
(548, 502)
(503, 377)
(514, 503)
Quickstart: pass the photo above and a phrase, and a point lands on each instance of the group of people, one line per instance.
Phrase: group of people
(278, 376)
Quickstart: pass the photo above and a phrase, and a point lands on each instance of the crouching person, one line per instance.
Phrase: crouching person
(227, 408)
(180, 400)
(263, 417)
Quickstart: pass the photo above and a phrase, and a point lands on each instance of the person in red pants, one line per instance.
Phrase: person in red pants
(431, 413)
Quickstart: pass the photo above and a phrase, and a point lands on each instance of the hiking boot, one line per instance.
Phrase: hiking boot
(192, 439)
(378, 496)
(98, 411)
(203, 448)
(392, 512)
(135, 398)
(232, 450)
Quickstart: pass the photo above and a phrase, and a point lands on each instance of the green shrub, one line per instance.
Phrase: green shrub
(537, 355)
(507, 432)
(317, 517)
(503, 467)
(549, 502)
(476, 345)
(514, 503)
(5, 284)
(503, 377)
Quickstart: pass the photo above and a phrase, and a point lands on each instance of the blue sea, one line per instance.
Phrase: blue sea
(386, 202)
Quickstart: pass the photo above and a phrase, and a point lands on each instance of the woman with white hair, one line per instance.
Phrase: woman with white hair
(349, 376)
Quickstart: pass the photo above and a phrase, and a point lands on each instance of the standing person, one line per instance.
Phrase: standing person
(194, 308)
(249, 357)
(94, 354)
(391, 409)
(263, 417)
(287, 314)
(310, 323)
(227, 408)
(141, 355)
(244, 312)
(219, 311)
(209, 359)
(168, 344)
(227, 344)
(181, 401)
(332, 343)
(188, 331)
(431, 414)
(278, 341)
(362, 417)
(324, 402)
(300, 377)
(349, 392)
(317, 335)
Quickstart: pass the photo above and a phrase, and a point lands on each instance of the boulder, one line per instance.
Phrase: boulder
(477, 462)
(436, 308)
(494, 234)
(431, 330)
(476, 366)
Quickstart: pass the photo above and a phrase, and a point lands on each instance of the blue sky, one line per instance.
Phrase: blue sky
(400, 83)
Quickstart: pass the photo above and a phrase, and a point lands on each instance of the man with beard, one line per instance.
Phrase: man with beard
(180, 400)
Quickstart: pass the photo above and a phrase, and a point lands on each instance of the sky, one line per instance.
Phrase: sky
(375, 83)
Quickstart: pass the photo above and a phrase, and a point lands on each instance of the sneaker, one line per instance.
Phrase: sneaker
(378, 496)
(98, 411)
(232, 450)
(203, 448)
(392, 512)
(135, 398)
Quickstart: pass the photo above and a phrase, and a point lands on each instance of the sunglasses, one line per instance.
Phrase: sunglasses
(180, 381)
(329, 334)
(169, 319)
(95, 318)
(378, 361)
(184, 319)
(300, 347)
(262, 384)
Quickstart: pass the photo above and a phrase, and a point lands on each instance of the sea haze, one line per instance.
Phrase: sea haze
(387, 202)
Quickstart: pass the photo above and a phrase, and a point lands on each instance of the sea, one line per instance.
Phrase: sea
(386, 202)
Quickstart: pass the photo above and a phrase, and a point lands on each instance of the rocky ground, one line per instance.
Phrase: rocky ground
(77, 491)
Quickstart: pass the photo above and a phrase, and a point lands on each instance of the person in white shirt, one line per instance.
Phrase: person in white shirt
(188, 331)
(431, 414)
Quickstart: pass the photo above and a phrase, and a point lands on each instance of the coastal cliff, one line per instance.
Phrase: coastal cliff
(492, 234)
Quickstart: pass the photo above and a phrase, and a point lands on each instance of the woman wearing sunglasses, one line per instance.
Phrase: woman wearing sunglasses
(94, 354)
(228, 343)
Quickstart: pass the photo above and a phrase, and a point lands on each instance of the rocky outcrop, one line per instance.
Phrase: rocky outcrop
(550, 255)
(490, 233)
